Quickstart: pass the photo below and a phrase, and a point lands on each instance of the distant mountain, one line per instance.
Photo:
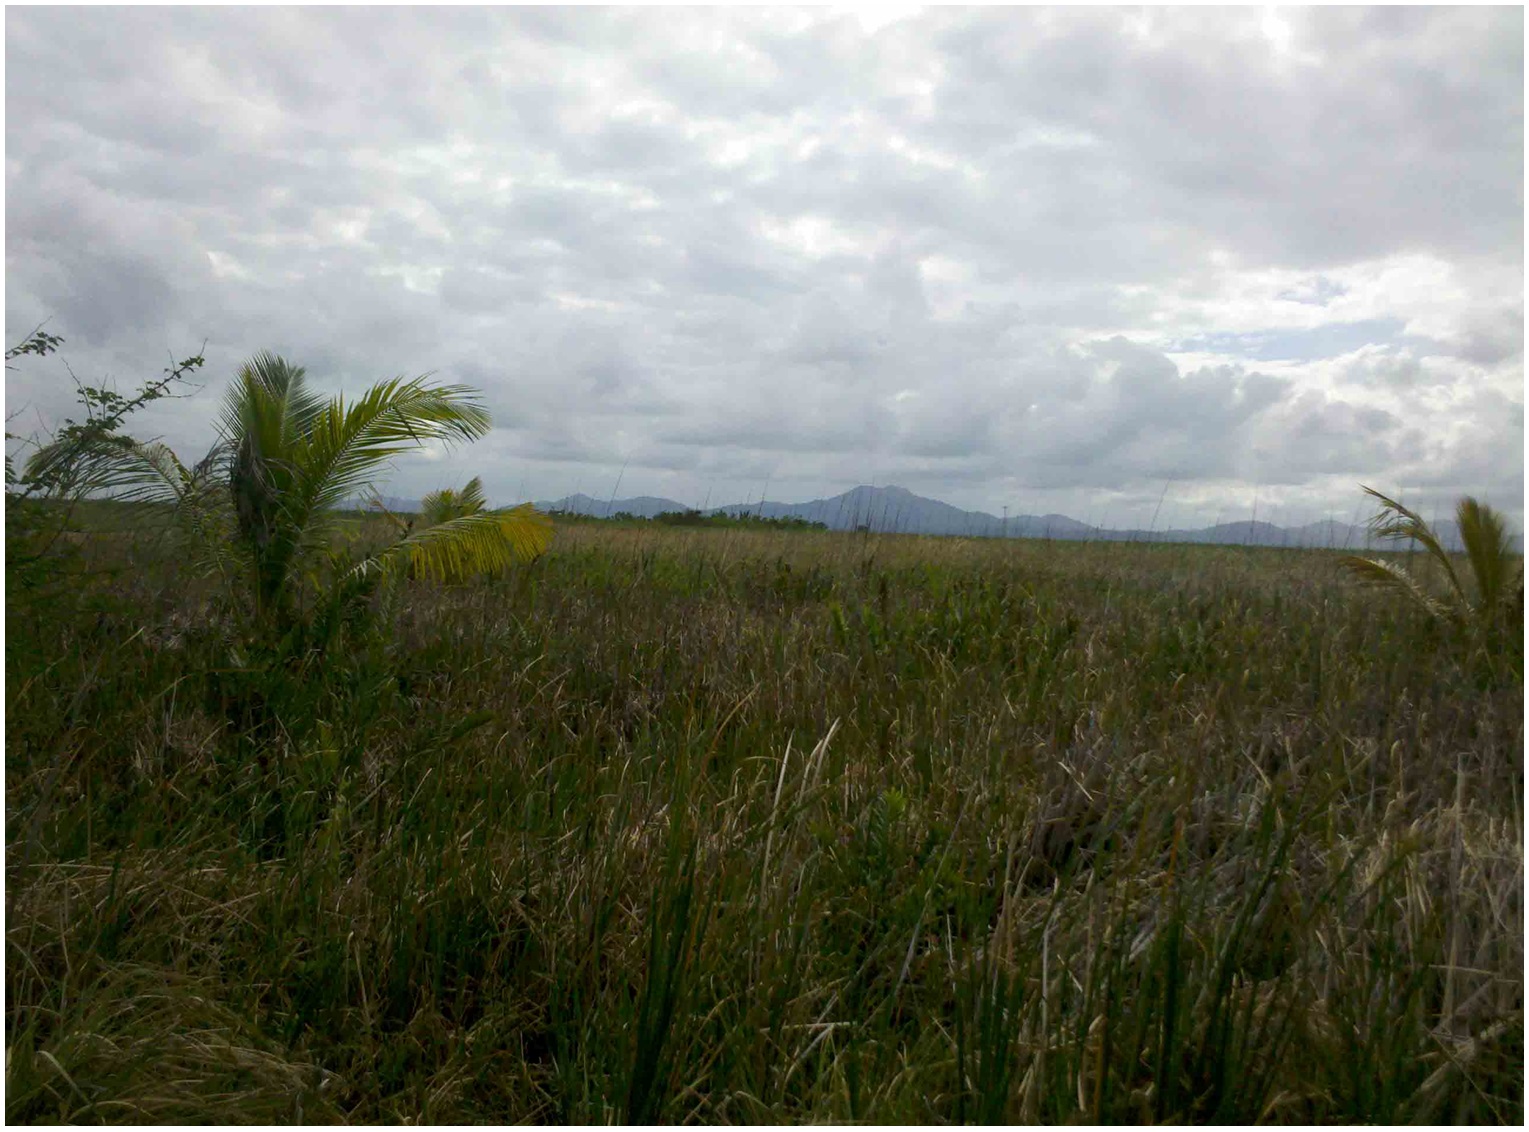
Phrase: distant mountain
(898, 510)
(397, 504)
(895, 509)
(878, 509)
(642, 506)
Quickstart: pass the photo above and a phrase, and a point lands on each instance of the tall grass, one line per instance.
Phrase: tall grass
(745, 826)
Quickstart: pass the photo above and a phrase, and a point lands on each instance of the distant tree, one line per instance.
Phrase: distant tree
(691, 518)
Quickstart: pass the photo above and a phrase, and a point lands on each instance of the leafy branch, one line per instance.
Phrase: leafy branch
(82, 457)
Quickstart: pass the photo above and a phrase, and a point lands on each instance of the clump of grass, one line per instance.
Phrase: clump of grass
(138, 1046)
(733, 825)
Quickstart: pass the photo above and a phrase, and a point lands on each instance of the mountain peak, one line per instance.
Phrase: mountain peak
(886, 491)
(896, 510)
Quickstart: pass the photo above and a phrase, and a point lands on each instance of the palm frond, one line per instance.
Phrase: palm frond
(438, 506)
(277, 391)
(1490, 551)
(204, 511)
(55, 465)
(265, 413)
(347, 445)
(468, 545)
(190, 501)
(117, 466)
(472, 496)
(258, 428)
(527, 529)
(1393, 577)
(1397, 521)
(296, 465)
(151, 473)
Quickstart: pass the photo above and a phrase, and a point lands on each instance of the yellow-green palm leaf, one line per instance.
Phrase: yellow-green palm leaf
(466, 546)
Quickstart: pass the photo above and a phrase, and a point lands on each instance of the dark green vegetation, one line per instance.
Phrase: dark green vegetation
(715, 520)
(751, 826)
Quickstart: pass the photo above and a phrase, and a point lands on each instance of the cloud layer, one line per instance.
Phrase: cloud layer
(1050, 259)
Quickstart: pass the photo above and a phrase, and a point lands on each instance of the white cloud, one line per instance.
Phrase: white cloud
(1064, 252)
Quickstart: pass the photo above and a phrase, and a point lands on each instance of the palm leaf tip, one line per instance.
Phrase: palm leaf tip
(448, 503)
(1390, 576)
(466, 546)
(472, 496)
(1397, 521)
(1489, 548)
(528, 529)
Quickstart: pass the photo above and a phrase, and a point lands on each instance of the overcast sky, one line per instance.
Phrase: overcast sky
(1053, 260)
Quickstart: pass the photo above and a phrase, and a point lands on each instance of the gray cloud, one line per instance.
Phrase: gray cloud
(1066, 252)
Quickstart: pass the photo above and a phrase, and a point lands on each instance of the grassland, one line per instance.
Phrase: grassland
(738, 826)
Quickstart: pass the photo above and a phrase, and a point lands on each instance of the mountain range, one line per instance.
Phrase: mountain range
(897, 510)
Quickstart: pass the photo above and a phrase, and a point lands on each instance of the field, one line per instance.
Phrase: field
(743, 826)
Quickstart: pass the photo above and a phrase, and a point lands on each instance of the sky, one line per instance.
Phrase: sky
(1069, 260)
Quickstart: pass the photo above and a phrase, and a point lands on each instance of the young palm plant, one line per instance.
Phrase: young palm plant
(1496, 592)
(294, 461)
(267, 498)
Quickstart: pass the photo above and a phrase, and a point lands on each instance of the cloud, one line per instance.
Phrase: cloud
(1070, 251)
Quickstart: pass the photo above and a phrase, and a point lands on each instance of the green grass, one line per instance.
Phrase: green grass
(749, 826)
